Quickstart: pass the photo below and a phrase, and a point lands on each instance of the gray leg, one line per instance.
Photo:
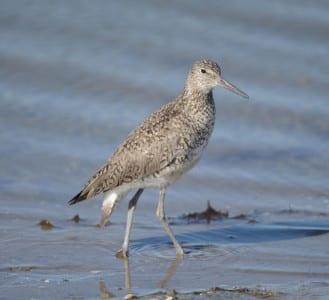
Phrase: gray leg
(111, 200)
(123, 253)
(161, 215)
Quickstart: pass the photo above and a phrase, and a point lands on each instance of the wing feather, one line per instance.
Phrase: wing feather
(152, 146)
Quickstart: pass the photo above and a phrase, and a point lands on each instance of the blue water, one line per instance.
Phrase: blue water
(76, 77)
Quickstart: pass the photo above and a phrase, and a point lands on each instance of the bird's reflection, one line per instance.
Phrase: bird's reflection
(106, 294)
(170, 271)
(126, 266)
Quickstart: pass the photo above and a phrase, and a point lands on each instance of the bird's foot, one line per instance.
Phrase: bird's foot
(104, 220)
(122, 254)
(179, 251)
(102, 223)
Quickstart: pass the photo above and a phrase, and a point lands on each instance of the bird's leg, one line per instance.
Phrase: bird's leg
(161, 215)
(111, 200)
(123, 253)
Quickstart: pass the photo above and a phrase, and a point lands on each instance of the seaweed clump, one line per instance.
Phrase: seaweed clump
(209, 214)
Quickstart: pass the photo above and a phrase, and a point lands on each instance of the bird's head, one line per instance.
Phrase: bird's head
(204, 75)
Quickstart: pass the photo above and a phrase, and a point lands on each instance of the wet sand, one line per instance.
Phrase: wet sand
(77, 260)
(76, 77)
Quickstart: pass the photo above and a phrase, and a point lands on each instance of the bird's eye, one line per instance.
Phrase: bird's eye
(203, 71)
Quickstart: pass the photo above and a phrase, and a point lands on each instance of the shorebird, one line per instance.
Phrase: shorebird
(161, 149)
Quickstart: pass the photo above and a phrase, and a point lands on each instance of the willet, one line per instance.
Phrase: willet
(161, 149)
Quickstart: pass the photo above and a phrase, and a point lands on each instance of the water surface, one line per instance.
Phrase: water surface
(76, 77)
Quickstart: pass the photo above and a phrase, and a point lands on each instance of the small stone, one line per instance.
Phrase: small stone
(46, 225)
(76, 219)
(130, 297)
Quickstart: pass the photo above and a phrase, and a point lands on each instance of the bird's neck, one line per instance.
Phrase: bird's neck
(198, 103)
(199, 113)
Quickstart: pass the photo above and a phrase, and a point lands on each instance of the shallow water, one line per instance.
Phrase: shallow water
(76, 77)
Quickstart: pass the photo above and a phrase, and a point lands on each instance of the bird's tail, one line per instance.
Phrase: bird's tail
(94, 186)
(78, 198)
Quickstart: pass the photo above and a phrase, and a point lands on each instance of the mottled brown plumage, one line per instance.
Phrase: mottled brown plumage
(162, 148)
